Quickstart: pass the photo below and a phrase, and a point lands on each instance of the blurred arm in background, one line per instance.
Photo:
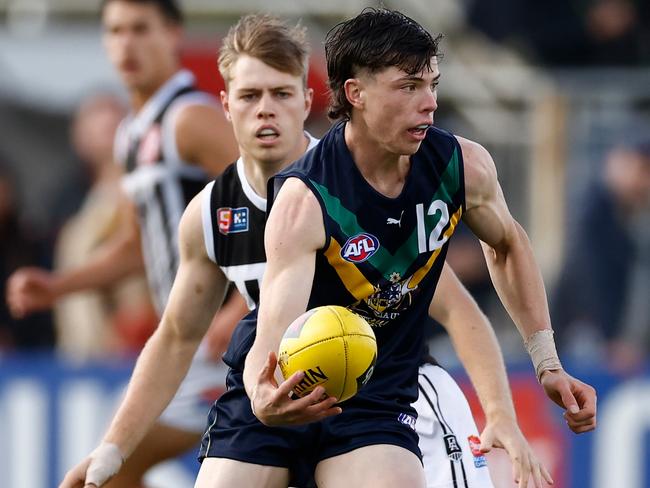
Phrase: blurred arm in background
(105, 245)
(18, 247)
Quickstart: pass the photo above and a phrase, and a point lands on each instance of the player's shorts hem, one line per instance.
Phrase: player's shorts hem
(371, 442)
(244, 457)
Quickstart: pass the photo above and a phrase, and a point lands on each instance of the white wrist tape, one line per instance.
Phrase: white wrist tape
(541, 348)
(105, 462)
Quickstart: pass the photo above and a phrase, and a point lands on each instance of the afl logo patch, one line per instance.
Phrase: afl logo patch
(232, 220)
(359, 248)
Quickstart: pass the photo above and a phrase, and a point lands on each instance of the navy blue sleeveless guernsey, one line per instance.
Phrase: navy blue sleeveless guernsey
(383, 256)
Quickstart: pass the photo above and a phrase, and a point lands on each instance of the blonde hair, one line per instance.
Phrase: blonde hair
(268, 39)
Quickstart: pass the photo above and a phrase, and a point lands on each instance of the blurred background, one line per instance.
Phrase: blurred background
(558, 91)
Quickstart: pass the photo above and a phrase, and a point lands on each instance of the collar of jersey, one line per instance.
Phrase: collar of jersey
(255, 199)
(141, 121)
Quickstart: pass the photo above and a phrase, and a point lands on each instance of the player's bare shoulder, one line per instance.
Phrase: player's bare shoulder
(480, 173)
(204, 136)
(196, 115)
(486, 212)
(190, 230)
(296, 216)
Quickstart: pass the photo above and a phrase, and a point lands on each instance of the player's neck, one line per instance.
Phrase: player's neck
(140, 95)
(258, 173)
(107, 172)
(385, 171)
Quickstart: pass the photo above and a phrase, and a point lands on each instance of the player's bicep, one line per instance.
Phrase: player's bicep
(487, 213)
(199, 286)
(294, 232)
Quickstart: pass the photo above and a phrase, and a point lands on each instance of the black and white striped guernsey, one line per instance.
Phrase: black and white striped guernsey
(233, 218)
(157, 180)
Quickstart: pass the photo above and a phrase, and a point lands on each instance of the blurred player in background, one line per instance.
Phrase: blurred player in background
(174, 138)
(264, 63)
(588, 310)
(97, 323)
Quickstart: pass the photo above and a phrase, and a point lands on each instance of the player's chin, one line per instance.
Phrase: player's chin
(131, 80)
(409, 148)
(269, 152)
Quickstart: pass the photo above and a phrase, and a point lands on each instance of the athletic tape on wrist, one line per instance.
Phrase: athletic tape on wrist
(541, 348)
(105, 462)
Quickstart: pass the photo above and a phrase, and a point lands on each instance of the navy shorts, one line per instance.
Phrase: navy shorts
(235, 433)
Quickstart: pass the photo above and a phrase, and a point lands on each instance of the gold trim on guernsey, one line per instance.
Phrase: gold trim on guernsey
(358, 285)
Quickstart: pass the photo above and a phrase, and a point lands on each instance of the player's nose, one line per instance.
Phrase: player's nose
(265, 107)
(430, 102)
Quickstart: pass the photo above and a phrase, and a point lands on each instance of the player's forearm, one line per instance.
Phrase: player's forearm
(116, 260)
(267, 338)
(478, 350)
(277, 311)
(255, 360)
(159, 371)
(518, 282)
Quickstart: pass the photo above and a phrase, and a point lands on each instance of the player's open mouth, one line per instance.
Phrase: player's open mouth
(129, 66)
(419, 130)
(267, 134)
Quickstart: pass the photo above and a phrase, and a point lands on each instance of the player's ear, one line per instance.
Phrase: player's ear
(354, 92)
(309, 98)
(226, 106)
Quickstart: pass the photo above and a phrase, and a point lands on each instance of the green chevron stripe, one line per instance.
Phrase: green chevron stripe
(383, 261)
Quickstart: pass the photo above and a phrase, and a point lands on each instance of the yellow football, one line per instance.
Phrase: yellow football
(336, 348)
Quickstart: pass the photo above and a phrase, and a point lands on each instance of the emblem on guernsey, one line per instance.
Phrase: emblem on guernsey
(387, 302)
(232, 220)
(359, 248)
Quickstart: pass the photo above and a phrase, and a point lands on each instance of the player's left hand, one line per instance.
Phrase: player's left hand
(273, 406)
(577, 398)
(95, 471)
(504, 432)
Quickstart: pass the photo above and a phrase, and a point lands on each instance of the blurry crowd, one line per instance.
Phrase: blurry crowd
(92, 324)
(600, 304)
(600, 301)
(569, 33)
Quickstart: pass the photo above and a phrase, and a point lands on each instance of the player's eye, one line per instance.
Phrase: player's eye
(409, 88)
(248, 97)
(283, 94)
(140, 28)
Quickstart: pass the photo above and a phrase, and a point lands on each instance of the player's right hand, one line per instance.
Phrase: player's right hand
(273, 406)
(94, 471)
(30, 290)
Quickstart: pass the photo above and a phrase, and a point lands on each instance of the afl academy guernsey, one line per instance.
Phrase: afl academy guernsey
(383, 256)
(157, 180)
(234, 217)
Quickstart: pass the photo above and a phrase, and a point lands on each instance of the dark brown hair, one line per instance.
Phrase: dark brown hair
(373, 40)
(168, 8)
